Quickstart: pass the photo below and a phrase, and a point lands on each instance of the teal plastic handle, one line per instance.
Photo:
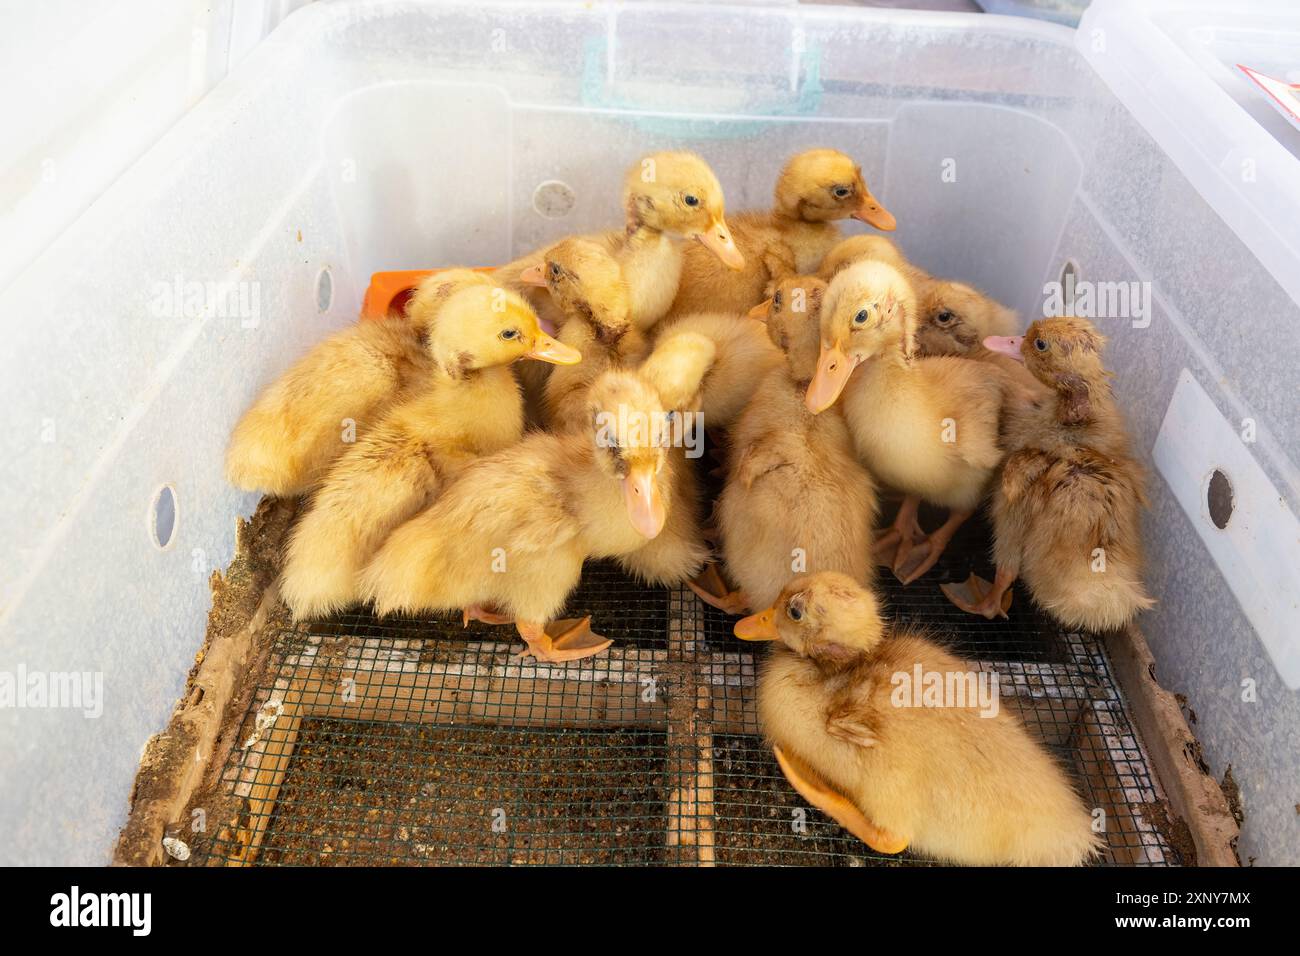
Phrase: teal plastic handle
(678, 127)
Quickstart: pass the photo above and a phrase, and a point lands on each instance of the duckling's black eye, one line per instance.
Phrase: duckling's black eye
(1040, 344)
(944, 318)
(691, 200)
(555, 270)
(794, 612)
(508, 334)
(842, 192)
(776, 300)
(860, 318)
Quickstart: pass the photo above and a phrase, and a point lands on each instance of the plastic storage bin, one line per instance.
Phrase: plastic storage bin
(388, 135)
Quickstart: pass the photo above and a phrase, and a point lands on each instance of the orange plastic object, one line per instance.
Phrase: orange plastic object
(388, 291)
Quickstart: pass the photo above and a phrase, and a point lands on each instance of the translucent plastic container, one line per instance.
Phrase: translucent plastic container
(374, 135)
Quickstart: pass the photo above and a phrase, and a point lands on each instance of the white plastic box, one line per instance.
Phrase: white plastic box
(368, 135)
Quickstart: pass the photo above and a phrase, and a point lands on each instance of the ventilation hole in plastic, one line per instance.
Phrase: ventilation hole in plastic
(162, 517)
(1218, 497)
(1069, 279)
(324, 290)
(553, 199)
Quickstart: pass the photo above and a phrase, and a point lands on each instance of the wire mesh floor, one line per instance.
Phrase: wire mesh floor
(416, 742)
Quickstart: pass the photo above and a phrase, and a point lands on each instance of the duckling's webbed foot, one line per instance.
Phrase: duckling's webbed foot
(977, 596)
(809, 785)
(901, 534)
(713, 591)
(570, 639)
(912, 561)
(477, 612)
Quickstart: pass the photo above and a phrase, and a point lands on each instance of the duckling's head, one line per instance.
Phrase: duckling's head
(1065, 355)
(827, 617)
(954, 319)
(793, 317)
(819, 185)
(433, 291)
(480, 326)
(586, 282)
(869, 310)
(677, 193)
(632, 432)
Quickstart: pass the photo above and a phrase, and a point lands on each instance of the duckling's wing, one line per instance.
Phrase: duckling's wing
(835, 805)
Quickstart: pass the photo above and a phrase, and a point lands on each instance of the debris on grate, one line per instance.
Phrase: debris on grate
(414, 741)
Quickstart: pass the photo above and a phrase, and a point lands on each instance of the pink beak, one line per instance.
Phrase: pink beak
(645, 506)
(1006, 344)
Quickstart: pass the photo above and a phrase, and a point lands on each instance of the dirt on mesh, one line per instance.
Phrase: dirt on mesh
(415, 795)
(240, 631)
(1172, 828)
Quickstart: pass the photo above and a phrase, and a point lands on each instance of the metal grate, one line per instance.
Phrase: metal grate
(414, 742)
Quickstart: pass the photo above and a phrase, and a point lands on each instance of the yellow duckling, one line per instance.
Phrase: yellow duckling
(796, 496)
(507, 539)
(587, 285)
(815, 188)
(1067, 508)
(293, 432)
(956, 779)
(953, 318)
(469, 407)
(668, 197)
(927, 427)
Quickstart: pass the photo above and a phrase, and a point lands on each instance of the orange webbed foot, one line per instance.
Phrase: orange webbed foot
(713, 591)
(913, 560)
(477, 612)
(809, 785)
(975, 596)
(570, 639)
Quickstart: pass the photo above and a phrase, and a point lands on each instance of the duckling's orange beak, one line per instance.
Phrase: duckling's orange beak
(717, 239)
(645, 505)
(760, 311)
(548, 349)
(874, 214)
(1007, 345)
(833, 370)
(758, 627)
(534, 275)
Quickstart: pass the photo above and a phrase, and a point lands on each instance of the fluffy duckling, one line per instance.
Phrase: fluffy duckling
(676, 370)
(743, 356)
(815, 188)
(1067, 507)
(795, 496)
(961, 783)
(927, 427)
(293, 432)
(506, 541)
(587, 284)
(952, 318)
(668, 197)
(470, 406)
